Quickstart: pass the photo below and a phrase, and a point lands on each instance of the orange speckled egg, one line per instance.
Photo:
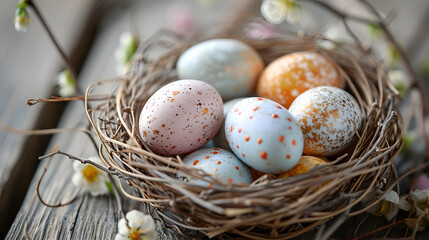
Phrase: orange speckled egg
(329, 118)
(289, 76)
(305, 164)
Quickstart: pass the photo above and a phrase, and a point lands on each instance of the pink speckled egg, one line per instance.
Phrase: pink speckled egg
(288, 76)
(329, 118)
(264, 135)
(180, 117)
(220, 163)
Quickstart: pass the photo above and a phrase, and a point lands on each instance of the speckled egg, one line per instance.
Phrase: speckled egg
(264, 135)
(305, 164)
(329, 118)
(230, 66)
(180, 117)
(220, 138)
(289, 76)
(222, 164)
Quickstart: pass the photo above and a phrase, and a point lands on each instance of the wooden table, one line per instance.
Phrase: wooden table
(28, 67)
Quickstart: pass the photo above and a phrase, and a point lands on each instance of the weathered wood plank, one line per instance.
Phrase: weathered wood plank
(28, 67)
(89, 217)
(95, 218)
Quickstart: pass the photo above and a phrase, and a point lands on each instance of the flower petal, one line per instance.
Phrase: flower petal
(392, 196)
(78, 166)
(274, 11)
(97, 188)
(135, 219)
(123, 228)
(78, 179)
(148, 223)
(404, 204)
(120, 237)
(392, 213)
(151, 235)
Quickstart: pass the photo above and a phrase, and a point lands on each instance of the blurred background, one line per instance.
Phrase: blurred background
(90, 33)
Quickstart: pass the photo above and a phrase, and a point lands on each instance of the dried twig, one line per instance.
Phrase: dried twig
(59, 204)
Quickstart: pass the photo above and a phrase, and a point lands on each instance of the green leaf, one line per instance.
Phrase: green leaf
(22, 4)
(109, 187)
(424, 68)
(374, 30)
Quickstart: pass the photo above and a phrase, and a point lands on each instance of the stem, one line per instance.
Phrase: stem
(118, 198)
(60, 50)
(416, 83)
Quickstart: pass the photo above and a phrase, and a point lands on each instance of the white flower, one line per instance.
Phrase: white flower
(399, 80)
(277, 11)
(92, 178)
(21, 18)
(66, 84)
(389, 205)
(128, 44)
(421, 200)
(140, 227)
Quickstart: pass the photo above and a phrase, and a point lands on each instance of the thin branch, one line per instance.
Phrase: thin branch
(32, 101)
(59, 204)
(117, 197)
(339, 13)
(86, 161)
(366, 235)
(64, 57)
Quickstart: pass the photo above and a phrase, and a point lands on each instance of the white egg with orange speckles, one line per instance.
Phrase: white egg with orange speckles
(329, 118)
(181, 117)
(220, 163)
(264, 135)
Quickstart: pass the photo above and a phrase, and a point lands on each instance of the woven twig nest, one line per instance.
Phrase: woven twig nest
(269, 207)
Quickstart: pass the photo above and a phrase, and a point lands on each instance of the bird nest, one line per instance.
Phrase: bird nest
(269, 207)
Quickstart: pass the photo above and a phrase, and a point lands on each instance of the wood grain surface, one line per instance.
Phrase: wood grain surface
(95, 217)
(28, 72)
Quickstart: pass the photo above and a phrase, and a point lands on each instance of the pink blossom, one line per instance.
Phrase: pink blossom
(259, 30)
(422, 182)
(180, 19)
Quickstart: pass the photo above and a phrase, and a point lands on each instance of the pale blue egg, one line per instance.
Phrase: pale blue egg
(230, 66)
(220, 163)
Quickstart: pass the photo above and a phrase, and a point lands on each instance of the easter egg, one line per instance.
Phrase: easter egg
(289, 76)
(220, 138)
(305, 164)
(264, 135)
(329, 118)
(220, 163)
(181, 117)
(230, 66)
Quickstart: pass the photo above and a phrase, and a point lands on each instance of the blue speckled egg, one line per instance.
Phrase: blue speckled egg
(264, 135)
(222, 164)
(230, 66)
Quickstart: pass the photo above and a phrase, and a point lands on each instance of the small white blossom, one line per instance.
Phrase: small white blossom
(421, 200)
(399, 80)
(21, 18)
(389, 205)
(92, 178)
(128, 44)
(140, 227)
(277, 11)
(67, 87)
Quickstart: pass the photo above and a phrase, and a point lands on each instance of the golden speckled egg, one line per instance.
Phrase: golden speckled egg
(329, 118)
(289, 76)
(305, 164)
